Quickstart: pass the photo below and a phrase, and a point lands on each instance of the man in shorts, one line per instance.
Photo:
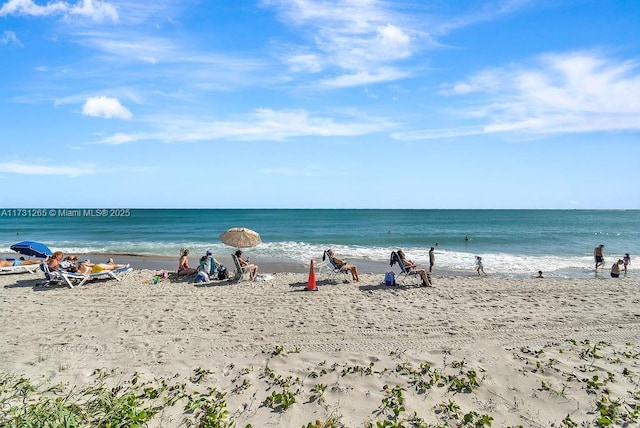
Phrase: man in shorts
(597, 255)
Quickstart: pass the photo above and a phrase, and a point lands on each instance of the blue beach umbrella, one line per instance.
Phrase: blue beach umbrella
(32, 248)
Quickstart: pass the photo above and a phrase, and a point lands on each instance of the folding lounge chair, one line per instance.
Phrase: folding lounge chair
(52, 277)
(20, 269)
(331, 266)
(405, 272)
(82, 278)
(242, 272)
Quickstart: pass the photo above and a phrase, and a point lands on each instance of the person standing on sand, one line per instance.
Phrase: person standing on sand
(432, 259)
(598, 256)
(626, 260)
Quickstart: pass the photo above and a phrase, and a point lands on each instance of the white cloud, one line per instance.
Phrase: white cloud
(94, 9)
(29, 8)
(304, 62)
(120, 138)
(574, 92)
(262, 124)
(105, 107)
(9, 37)
(361, 40)
(364, 77)
(268, 124)
(32, 169)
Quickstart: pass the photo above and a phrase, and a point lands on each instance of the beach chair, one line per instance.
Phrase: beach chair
(20, 268)
(242, 272)
(330, 266)
(405, 272)
(52, 277)
(82, 278)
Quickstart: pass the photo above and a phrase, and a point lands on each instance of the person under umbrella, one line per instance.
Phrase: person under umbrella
(253, 269)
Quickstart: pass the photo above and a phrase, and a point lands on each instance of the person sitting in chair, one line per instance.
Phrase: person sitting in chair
(53, 261)
(410, 266)
(253, 269)
(344, 266)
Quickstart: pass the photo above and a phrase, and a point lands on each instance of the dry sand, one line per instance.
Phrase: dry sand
(534, 345)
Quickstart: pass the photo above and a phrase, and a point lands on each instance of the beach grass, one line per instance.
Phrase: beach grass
(451, 393)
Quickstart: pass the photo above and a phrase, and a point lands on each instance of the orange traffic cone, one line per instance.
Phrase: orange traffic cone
(311, 285)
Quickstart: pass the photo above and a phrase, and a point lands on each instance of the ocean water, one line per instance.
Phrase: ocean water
(512, 242)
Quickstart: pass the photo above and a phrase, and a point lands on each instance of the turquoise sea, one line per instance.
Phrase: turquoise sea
(511, 242)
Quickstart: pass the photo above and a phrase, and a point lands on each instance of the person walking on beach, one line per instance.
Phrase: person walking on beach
(479, 266)
(432, 259)
(626, 260)
(598, 256)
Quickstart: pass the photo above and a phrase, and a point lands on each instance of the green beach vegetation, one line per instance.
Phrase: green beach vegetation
(411, 395)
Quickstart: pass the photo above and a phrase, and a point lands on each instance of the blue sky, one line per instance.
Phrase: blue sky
(320, 104)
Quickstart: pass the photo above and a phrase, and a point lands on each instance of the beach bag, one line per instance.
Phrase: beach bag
(390, 278)
(222, 272)
(202, 277)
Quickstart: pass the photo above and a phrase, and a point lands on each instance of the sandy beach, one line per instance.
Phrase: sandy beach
(472, 350)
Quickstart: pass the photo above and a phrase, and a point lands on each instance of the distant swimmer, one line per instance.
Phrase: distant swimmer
(466, 238)
(540, 274)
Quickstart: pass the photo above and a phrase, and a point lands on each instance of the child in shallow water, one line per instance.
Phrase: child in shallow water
(479, 266)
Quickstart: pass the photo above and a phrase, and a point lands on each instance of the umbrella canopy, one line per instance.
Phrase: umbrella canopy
(32, 248)
(241, 237)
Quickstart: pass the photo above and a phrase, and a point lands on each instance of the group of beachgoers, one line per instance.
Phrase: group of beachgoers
(213, 269)
(70, 263)
(210, 268)
(410, 267)
(58, 261)
(623, 263)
